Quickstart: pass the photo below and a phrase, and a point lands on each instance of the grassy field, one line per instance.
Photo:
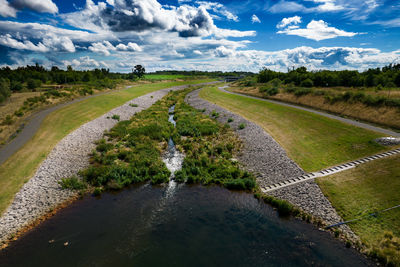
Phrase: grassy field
(21, 166)
(369, 187)
(158, 77)
(313, 141)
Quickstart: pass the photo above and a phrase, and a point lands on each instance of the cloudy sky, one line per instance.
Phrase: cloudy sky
(244, 35)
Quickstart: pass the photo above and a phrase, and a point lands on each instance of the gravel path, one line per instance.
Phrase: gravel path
(263, 156)
(348, 121)
(42, 193)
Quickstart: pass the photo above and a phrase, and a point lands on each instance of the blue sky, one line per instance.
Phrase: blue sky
(243, 35)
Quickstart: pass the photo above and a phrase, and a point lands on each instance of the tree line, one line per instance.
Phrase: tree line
(31, 77)
(388, 76)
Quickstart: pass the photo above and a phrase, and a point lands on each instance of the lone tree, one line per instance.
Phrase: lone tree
(139, 71)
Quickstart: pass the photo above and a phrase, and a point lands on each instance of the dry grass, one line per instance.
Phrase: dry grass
(386, 116)
(8, 108)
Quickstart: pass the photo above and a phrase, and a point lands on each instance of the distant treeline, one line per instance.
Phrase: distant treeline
(202, 73)
(388, 76)
(32, 77)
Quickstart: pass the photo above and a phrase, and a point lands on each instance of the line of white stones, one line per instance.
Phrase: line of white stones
(329, 171)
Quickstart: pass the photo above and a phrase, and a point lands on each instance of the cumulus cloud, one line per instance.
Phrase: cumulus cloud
(317, 30)
(6, 10)
(289, 21)
(105, 47)
(9, 41)
(222, 51)
(85, 62)
(255, 19)
(140, 16)
(43, 6)
(50, 42)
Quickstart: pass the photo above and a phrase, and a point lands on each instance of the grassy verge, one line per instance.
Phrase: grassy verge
(387, 116)
(21, 166)
(313, 141)
(368, 188)
(133, 150)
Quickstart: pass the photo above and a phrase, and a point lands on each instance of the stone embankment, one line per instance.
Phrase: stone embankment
(42, 193)
(263, 156)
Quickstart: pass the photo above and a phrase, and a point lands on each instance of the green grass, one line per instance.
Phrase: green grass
(157, 77)
(369, 187)
(21, 166)
(313, 141)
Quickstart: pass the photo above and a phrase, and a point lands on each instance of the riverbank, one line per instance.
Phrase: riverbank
(263, 156)
(42, 193)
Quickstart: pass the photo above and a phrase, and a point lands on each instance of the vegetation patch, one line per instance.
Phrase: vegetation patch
(132, 150)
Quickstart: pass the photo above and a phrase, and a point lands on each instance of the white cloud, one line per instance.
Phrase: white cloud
(6, 10)
(317, 30)
(222, 51)
(105, 47)
(149, 15)
(219, 9)
(129, 47)
(43, 6)
(255, 19)
(289, 21)
(286, 7)
(85, 62)
(9, 41)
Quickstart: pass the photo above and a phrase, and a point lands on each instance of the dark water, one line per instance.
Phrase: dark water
(175, 226)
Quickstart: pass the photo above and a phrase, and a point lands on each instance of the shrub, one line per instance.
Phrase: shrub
(242, 126)
(307, 83)
(72, 183)
(19, 113)
(33, 84)
(214, 114)
(97, 191)
(8, 120)
(230, 120)
(115, 117)
(302, 91)
(134, 105)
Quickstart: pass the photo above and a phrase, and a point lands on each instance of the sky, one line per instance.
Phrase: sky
(238, 35)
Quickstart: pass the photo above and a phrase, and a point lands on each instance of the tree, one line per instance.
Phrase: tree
(5, 91)
(139, 71)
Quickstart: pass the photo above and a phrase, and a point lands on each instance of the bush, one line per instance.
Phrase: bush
(72, 183)
(242, 126)
(115, 117)
(19, 113)
(230, 120)
(33, 84)
(214, 114)
(8, 120)
(307, 83)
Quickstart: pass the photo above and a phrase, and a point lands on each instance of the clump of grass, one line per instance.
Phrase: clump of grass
(115, 117)
(134, 105)
(7, 120)
(72, 183)
(230, 120)
(283, 207)
(214, 114)
(242, 126)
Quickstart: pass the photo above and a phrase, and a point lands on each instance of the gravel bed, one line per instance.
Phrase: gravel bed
(263, 156)
(42, 193)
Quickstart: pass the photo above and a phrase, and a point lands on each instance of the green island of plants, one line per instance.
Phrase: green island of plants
(132, 151)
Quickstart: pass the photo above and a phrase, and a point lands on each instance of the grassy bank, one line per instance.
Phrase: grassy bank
(21, 166)
(359, 104)
(368, 188)
(313, 141)
(132, 150)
